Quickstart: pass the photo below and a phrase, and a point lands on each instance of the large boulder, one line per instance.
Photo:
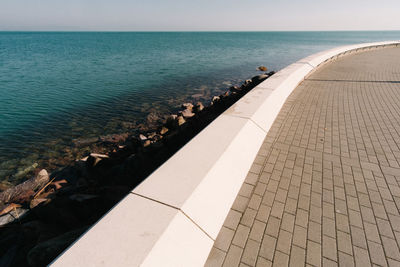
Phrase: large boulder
(19, 192)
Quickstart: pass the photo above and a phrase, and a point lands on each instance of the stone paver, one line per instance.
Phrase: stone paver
(325, 186)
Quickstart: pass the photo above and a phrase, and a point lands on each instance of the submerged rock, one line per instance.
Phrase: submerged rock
(25, 171)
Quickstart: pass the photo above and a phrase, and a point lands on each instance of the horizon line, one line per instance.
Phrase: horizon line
(189, 31)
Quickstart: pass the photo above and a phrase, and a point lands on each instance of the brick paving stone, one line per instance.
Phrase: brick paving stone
(325, 186)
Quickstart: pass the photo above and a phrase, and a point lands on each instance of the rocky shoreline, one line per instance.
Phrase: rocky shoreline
(44, 215)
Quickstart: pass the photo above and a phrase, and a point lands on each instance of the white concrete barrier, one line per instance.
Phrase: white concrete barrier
(173, 217)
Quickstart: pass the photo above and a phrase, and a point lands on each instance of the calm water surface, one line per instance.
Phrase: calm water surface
(59, 86)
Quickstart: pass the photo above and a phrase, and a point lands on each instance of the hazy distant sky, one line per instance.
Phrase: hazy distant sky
(203, 15)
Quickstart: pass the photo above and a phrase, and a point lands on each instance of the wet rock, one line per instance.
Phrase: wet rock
(19, 191)
(187, 106)
(262, 68)
(198, 107)
(181, 120)
(163, 130)
(43, 253)
(187, 113)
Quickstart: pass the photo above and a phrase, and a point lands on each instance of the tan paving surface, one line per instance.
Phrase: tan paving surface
(324, 188)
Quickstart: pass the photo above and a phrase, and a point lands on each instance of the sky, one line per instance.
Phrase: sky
(199, 15)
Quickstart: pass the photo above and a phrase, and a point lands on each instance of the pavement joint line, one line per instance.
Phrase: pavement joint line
(152, 199)
(249, 119)
(180, 210)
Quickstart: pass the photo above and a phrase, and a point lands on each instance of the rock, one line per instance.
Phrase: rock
(24, 197)
(259, 78)
(157, 138)
(147, 143)
(142, 137)
(95, 158)
(172, 122)
(247, 82)
(234, 89)
(37, 201)
(152, 118)
(215, 99)
(25, 171)
(6, 219)
(85, 141)
(59, 184)
(198, 107)
(163, 130)
(97, 155)
(151, 135)
(262, 68)
(187, 106)
(114, 138)
(43, 253)
(8, 208)
(187, 113)
(82, 197)
(181, 120)
(19, 191)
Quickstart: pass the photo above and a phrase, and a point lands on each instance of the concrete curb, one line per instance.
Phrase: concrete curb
(174, 216)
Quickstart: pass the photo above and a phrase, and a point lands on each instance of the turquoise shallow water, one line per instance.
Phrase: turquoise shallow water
(58, 86)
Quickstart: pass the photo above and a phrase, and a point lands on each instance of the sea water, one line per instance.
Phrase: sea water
(56, 87)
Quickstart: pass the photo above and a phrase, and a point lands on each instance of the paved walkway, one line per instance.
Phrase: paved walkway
(324, 188)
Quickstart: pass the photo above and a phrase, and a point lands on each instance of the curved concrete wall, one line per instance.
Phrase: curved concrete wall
(174, 216)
